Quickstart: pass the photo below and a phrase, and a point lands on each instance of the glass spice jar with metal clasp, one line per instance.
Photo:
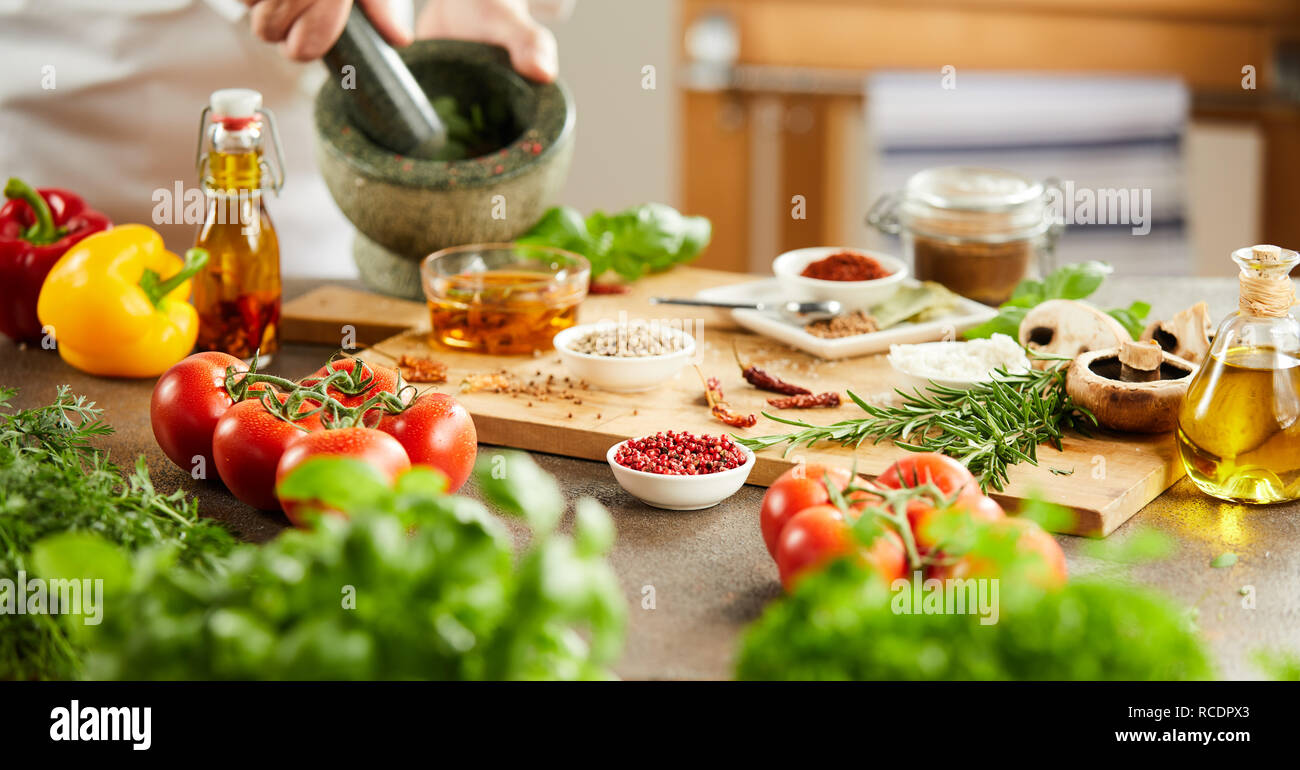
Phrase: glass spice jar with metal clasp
(977, 231)
(237, 294)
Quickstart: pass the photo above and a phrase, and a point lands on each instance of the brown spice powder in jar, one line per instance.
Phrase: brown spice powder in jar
(984, 272)
(978, 231)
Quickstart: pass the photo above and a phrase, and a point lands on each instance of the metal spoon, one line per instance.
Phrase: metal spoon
(801, 312)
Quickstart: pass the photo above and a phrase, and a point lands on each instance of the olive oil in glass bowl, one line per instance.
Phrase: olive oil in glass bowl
(503, 299)
(1239, 426)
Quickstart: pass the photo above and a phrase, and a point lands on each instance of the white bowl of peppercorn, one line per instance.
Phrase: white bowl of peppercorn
(855, 278)
(680, 471)
(624, 357)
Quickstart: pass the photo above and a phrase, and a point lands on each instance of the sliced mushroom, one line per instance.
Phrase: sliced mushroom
(1186, 335)
(1095, 381)
(1139, 361)
(1066, 327)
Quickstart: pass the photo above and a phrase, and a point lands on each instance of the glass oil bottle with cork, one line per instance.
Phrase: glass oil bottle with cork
(1239, 425)
(237, 294)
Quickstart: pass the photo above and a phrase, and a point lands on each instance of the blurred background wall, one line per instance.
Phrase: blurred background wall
(761, 100)
(627, 137)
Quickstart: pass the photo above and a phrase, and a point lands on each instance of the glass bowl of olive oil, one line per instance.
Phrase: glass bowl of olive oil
(502, 298)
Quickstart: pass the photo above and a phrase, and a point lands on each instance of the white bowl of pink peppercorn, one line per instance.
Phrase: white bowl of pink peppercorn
(680, 471)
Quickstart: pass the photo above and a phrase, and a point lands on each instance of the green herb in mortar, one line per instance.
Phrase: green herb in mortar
(468, 133)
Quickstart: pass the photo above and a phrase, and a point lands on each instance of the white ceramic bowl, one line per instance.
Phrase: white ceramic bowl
(618, 373)
(910, 380)
(680, 493)
(853, 295)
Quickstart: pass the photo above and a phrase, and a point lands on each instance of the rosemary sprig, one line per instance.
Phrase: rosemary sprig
(989, 427)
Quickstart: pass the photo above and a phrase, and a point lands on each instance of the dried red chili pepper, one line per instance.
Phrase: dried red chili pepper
(607, 288)
(719, 407)
(764, 381)
(242, 326)
(806, 401)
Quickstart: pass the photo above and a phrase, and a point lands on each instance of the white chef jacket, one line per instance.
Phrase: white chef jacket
(130, 78)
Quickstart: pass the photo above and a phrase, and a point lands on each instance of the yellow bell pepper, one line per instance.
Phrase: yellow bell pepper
(117, 303)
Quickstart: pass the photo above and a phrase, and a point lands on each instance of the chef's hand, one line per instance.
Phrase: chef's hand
(306, 29)
(503, 22)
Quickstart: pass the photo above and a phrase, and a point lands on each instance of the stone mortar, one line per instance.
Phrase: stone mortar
(404, 208)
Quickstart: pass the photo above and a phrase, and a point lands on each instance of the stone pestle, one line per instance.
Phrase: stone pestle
(383, 98)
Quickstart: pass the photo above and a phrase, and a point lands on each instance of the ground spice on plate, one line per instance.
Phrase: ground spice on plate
(846, 325)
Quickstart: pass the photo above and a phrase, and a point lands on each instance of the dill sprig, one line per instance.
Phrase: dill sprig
(988, 427)
(53, 480)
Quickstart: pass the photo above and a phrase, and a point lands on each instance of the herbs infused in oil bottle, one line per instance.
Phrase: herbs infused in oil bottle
(1239, 426)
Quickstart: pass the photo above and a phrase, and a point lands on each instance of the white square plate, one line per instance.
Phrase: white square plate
(968, 313)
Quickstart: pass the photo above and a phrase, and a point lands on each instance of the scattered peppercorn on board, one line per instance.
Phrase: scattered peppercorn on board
(1105, 478)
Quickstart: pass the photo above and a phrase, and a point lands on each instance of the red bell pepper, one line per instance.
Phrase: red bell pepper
(35, 229)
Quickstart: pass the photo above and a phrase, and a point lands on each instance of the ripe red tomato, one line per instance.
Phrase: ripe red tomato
(371, 446)
(816, 535)
(435, 430)
(930, 525)
(1048, 571)
(187, 401)
(800, 487)
(951, 478)
(384, 379)
(914, 470)
(246, 447)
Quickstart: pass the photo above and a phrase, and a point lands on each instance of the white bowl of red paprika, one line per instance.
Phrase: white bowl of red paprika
(796, 270)
(679, 471)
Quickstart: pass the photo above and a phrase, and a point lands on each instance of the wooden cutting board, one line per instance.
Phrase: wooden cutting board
(351, 318)
(1111, 476)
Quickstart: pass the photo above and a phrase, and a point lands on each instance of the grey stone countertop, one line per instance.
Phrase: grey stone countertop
(710, 573)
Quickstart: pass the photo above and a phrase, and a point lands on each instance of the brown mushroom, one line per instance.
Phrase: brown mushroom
(1101, 382)
(1066, 327)
(1186, 335)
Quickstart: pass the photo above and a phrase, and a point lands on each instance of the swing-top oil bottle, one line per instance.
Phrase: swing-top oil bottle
(237, 294)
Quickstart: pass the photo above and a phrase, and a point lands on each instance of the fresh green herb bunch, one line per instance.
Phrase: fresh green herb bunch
(840, 625)
(988, 427)
(1075, 281)
(52, 481)
(413, 584)
(651, 237)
